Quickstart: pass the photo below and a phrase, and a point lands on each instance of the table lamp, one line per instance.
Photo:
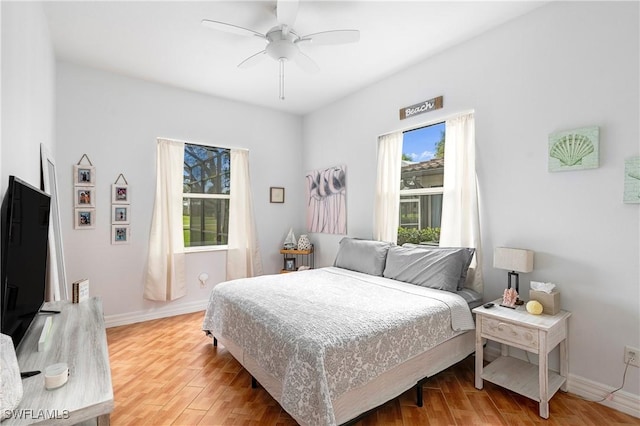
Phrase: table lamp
(513, 260)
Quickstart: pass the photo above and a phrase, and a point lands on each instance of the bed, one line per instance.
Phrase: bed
(332, 343)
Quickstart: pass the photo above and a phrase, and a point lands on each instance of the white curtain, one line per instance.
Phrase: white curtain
(460, 226)
(243, 253)
(165, 266)
(387, 197)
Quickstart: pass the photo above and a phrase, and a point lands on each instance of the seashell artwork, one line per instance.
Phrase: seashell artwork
(574, 149)
(632, 180)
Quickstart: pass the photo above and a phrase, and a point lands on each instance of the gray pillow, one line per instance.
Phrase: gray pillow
(365, 256)
(441, 268)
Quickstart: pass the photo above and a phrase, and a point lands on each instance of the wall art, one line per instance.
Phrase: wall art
(120, 211)
(327, 200)
(84, 183)
(576, 149)
(632, 180)
(120, 234)
(276, 194)
(85, 218)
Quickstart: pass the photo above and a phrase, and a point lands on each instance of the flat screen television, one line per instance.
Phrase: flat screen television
(25, 232)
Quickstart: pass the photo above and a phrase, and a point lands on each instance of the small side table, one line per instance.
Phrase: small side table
(537, 334)
(293, 259)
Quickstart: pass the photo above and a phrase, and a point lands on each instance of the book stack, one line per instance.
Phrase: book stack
(80, 291)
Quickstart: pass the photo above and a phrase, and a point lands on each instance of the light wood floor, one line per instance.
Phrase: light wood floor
(167, 372)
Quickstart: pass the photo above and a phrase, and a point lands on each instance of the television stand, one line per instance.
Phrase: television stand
(78, 338)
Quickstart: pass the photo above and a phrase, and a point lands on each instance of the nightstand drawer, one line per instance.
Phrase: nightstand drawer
(511, 333)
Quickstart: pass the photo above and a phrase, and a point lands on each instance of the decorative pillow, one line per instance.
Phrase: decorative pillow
(365, 256)
(11, 384)
(465, 253)
(433, 267)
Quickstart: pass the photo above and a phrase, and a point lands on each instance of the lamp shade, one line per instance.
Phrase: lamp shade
(513, 259)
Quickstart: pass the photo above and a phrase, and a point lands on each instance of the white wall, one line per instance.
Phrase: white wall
(28, 90)
(115, 120)
(563, 66)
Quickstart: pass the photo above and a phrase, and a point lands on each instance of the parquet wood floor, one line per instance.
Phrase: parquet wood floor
(166, 372)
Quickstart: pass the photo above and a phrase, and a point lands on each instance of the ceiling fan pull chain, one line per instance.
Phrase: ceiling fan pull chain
(281, 60)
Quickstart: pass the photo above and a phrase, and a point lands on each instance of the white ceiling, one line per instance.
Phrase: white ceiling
(164, 42)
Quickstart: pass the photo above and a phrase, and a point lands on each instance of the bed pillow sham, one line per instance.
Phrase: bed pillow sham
(433, 267)
(465, 253)
(366, 256)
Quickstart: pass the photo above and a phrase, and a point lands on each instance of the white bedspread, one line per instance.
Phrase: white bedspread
(325, 331)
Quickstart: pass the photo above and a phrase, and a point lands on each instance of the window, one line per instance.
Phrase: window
(421, 182)
(205, 211)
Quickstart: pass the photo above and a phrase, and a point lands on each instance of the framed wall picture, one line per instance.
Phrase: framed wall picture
(83, 196)
(84, 218)
(290, 264)
(632, 180)
(120, 194)
(84, 175)
(120, 214)
(575, 149)
(120, 234)
(276, 195)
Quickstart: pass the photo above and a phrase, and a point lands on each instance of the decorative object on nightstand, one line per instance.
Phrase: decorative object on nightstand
(509, 298)
(304, 243)
(534, 307)
(547, 295)
(290, 242)
(513, 260)
(289, 264)
(538, 334)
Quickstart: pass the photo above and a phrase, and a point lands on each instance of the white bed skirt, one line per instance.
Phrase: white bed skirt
(381, 389)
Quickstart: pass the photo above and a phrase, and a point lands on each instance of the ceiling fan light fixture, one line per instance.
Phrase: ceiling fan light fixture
(281, 46)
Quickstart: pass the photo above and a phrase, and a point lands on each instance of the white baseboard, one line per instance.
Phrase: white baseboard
(623, 401)
(140, 316)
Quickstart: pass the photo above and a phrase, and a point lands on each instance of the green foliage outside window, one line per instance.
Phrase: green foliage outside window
(417, 236)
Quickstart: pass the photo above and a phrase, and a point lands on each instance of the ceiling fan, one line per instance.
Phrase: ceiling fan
(283, 42)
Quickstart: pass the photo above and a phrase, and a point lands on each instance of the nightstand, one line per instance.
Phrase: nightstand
(293, 259)
(537, 334)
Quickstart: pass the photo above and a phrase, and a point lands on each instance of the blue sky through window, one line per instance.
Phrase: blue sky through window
(420, 144)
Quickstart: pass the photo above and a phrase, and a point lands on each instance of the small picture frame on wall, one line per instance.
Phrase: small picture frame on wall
(276, 195)
(84, 175)
(120, 234)
(120, 194)
(120, 214)
(290, 264)
(83, 196)
(85, 218)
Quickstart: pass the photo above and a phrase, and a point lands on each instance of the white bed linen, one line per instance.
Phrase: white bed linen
(327, 331)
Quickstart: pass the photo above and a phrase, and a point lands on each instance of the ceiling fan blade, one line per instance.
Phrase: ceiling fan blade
(286, 12)
(230, 28)
(331, 37)
(306, 63)
(253, 60)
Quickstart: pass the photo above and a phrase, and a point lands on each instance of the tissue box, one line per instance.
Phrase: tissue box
(549, 301)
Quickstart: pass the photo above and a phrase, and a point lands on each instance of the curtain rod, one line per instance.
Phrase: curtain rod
(430, 123)
(205, 144)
